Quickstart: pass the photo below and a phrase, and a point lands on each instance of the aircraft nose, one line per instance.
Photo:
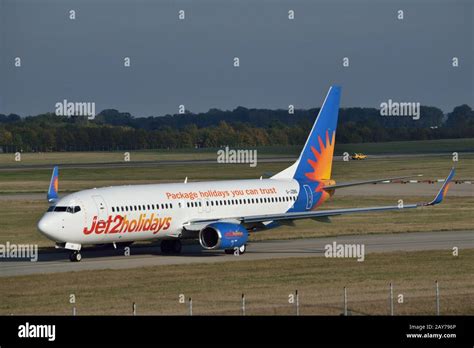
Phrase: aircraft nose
(47, 227)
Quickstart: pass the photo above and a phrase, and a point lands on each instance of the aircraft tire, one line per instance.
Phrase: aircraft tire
(75, 256)
(242, 249)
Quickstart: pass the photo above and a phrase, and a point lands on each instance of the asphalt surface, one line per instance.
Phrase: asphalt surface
(15, 166)
(144, 255)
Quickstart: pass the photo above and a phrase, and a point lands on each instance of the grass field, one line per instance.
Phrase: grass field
(74, 179)
(19, 219)
(395, 147)
(216, 288)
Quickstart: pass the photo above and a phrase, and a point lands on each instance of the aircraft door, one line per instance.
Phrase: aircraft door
(102, 211)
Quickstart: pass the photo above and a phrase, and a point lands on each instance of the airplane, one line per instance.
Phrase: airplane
(219, 214)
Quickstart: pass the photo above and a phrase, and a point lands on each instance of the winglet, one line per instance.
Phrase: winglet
(444, 189)
(53, 186)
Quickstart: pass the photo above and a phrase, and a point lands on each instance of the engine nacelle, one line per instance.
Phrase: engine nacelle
(223, 235)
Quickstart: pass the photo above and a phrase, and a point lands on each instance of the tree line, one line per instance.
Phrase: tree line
(115, 130)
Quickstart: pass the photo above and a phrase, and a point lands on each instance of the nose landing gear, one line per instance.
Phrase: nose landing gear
(75, 256)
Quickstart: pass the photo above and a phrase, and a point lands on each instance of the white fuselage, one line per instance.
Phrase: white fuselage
(160, 211)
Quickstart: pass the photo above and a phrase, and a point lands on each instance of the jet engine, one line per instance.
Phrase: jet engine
(223, 235)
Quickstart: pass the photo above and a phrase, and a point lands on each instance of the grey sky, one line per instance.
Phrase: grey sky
(190, 62)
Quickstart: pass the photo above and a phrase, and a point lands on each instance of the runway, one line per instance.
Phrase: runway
(15, 166)
(145, 255)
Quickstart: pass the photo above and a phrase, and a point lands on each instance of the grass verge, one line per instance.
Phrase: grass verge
(216, 288)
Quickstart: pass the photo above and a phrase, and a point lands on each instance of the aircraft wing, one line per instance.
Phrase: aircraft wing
(354, 183)
(327, 213)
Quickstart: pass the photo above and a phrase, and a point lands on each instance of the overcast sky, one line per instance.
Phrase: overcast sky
(190, 61)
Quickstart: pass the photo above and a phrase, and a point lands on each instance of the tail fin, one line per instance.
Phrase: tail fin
(53, 186)
(315, 161)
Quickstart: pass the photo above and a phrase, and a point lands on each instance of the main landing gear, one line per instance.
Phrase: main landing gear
(171, 246)
(237, 251)
(75, 256)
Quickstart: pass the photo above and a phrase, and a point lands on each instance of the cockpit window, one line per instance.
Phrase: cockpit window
(72, 209)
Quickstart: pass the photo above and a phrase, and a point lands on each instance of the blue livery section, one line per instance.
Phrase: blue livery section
(315, 162)
(223, 235)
